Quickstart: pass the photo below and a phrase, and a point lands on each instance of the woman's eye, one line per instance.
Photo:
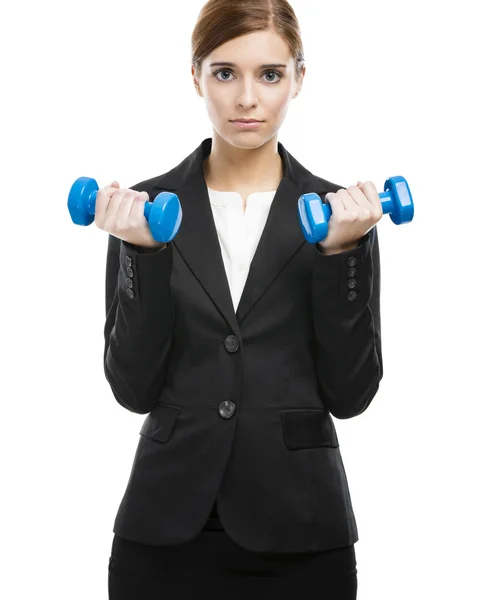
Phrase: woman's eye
(222, 71)
(229, 72)
(275, 73)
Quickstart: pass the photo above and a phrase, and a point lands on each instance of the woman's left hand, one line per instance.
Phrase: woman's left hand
(354, 212)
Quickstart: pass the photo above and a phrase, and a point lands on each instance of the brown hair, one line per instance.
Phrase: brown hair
(223, 20)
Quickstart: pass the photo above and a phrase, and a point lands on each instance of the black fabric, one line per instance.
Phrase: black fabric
(212, 563)
(213, 523)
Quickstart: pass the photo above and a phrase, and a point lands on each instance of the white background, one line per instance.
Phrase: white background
(103, 89)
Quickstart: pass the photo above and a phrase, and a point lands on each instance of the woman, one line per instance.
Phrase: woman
(240, 340)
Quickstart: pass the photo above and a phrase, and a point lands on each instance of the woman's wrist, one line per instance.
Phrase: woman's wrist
(329, 251)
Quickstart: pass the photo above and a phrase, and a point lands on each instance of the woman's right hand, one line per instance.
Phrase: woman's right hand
(121, 213)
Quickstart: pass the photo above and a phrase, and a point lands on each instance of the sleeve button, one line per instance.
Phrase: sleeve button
(129, 292)
(351, 295)
(351, 283)
(351, 261)
(128, 261)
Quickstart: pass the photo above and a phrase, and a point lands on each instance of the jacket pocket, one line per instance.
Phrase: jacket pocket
(160, 422)
(308, 428)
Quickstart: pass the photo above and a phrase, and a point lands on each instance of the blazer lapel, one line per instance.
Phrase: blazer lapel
(197, 239)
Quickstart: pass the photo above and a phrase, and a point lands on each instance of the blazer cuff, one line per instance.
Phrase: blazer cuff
(144, 275)
(343, 281)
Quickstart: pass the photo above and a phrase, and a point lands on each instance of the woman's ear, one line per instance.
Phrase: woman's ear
(300, 82)
(196, 82)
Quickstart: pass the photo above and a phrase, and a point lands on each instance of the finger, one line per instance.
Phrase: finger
(119, 205)
(103, 199)
(137, 208)
(350, 206)
(336, 205)
(359, 197)
(365, 208)
(128, 200)
(369, 189)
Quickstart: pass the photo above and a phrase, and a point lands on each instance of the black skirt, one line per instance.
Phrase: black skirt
(212, 563)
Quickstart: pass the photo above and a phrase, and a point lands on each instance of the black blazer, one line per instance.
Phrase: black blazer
(240, 403)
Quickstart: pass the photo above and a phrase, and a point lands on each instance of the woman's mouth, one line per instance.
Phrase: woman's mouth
(247, 124)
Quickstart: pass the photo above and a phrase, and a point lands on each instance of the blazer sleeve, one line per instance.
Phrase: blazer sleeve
(139, 322)
(346, 316)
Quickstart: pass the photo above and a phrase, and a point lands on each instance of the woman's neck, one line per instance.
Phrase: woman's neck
(228, 168)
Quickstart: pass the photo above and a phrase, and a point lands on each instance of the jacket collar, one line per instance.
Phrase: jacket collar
(197, 240)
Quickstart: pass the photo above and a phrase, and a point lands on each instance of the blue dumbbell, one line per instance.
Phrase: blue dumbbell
(314, 214)
(164, 214)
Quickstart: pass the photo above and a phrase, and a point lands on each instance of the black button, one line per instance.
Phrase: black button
(352, 295)
(351, 283)
(128, 261)
(226, 409)
(231, 343)
(351, 272)
(130, 272)
(351, 261)
(129, 282)
(129, 292)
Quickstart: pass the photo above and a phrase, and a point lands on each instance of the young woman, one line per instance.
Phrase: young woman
(240, 341)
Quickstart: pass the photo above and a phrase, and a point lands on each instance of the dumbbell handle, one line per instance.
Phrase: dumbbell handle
(91, 205)
(385, 197)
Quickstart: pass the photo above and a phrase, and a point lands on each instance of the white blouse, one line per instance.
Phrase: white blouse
(239, 232)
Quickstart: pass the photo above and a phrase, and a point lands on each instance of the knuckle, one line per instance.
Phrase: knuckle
(120, 225)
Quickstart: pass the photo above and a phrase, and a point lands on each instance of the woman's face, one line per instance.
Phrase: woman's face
(248, 90)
